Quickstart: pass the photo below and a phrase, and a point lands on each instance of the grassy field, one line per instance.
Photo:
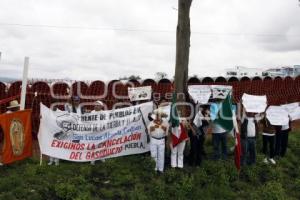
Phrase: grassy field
(133, 177)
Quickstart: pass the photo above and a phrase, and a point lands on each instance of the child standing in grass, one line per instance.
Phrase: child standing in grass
(158, 129)
(268, 134)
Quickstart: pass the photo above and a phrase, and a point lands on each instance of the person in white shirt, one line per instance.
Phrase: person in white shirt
(177, 151)
(74, 106)
(249, 131)
(158, 130)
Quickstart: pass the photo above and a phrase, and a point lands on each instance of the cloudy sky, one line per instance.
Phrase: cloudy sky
(98, 39)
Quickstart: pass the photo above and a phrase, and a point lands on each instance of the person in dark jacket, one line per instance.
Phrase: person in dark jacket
(269, 132)
(197, 131)
(249, 132)
(282, 137)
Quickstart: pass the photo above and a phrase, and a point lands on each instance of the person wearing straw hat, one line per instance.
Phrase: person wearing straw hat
(158, 129)
(98, 106)
(14, 106)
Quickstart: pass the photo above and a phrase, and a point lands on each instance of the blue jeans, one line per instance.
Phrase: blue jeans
(251, 150)
(248, 151)
(219, 139)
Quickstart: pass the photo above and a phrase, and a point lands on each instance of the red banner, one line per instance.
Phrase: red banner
(17, 136)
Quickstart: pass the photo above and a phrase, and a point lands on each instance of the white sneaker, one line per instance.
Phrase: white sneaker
(49, 163)
(1, 164)
(272, 161)
(266, 161)
(93, 162)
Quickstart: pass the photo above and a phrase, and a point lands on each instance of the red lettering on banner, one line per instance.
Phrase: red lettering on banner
(75, 155)
(121, 140)
(91, 155)
(91, 147)
(67, 145)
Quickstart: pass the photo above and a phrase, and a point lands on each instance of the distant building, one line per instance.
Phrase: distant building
(283, 71)
(296, 70)
(240, 71)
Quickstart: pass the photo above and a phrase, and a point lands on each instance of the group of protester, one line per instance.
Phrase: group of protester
(275, 138)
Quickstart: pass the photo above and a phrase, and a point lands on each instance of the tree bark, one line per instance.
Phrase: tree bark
(183, 35)
(182, 46)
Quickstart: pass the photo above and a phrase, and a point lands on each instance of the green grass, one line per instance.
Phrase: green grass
(133, 177)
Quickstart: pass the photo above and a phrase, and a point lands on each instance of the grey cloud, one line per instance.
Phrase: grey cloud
(112, 53)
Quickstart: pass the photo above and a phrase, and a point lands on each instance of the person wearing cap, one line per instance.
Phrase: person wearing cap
(74, 106)
(158, 129)
(14, 106)
(98, 106)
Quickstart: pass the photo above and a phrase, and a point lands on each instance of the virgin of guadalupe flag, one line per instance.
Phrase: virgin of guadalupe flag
(178, 131)
(17, 136)
(224, 114)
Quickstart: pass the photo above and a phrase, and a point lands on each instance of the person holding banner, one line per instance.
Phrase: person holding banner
(74, 106)
(268, 134)
(53, 159)
(99, 106)
(282, 139)
(249, 131)
(158, 130)
(197, 131)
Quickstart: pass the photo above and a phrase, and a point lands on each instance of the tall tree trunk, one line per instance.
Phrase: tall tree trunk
(182, 48)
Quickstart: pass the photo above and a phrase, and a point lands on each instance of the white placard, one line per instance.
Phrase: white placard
(220, 91)
(293, 109)
(295, 115)
(277, 116)
(139, 93)
(200, 93)
(94, 136)
(254, 104)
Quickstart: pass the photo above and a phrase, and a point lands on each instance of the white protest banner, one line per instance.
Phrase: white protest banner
(139, 93)
(94, 136)
(200, 93)
(253, 103)
(220, 91)
(293, 109)
(295, 115)
(277, 116)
